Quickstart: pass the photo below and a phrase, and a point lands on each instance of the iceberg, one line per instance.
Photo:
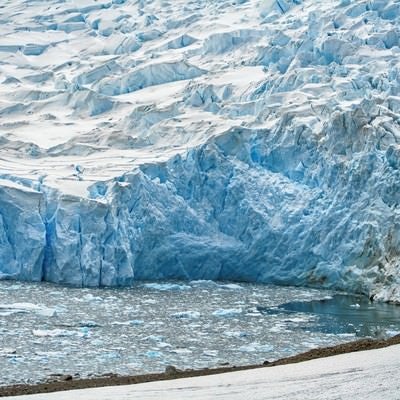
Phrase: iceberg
(186, 315)
(227, 313)
(23, 308)
(248, 140)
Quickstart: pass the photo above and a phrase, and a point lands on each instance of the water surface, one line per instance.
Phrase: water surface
(47, 329)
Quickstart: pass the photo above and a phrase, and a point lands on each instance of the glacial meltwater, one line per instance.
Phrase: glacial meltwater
(47, 329)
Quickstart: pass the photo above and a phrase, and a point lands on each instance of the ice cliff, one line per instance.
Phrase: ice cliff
(254, 140)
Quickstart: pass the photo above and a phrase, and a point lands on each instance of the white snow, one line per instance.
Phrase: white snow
(367, 375)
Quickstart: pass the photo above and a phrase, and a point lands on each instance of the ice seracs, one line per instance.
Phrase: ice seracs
(251, 140)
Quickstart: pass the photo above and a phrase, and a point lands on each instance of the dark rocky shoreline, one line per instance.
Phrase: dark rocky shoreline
(67, 382)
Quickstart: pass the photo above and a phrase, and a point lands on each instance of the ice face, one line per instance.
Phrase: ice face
(248, 140)
(22, 232)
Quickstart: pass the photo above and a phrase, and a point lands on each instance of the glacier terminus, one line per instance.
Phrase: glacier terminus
(242, 140)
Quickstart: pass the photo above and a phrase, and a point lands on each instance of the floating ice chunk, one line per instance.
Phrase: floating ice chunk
(121, 323)
(166, 286)
(278, 328)
(84, 331)
(54, 333)
(210, 353)
(255, 347)
(91, 297)
(132, 322)
(58, 354)
(181, 351)
(14, 358)
(391, 332)
(88, 324)
(153, 354)
(300, 319)
(253, 311)
(236, 334)
(227, 313)
(346, 335)
(7, 350)
(154, 338)
(231, 286)
(97, 342)
(18, 308)
(163, 345)
(136, 322)
(110, 355)
(135, 366)
(204, 283)
(149, 301)
(186, 315)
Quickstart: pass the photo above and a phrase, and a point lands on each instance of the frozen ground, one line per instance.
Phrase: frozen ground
(252, 140)
(367, 375)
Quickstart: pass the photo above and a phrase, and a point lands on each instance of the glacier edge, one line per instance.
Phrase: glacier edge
(231, 209)
(238, 140)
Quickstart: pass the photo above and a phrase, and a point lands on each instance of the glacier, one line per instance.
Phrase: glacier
(241, 140)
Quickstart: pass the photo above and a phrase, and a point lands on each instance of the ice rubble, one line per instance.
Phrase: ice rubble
(248, 140)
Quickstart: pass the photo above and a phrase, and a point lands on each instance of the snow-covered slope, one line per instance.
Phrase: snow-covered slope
(366, 375)
(249, 140)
